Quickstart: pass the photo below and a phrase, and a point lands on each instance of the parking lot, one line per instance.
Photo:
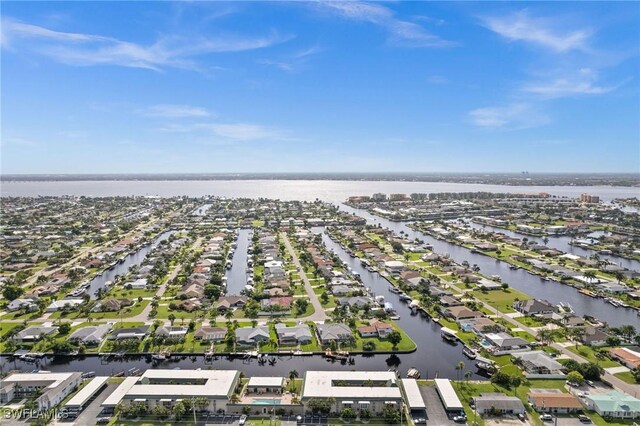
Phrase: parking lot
(436, 415)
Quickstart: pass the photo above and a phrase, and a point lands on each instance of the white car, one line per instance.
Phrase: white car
(243, 420)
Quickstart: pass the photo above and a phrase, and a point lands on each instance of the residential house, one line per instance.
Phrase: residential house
(91, 335)
(297, 334)
(375, 329)
(535, 307)
(457, 313)
(498, 403)
(175, 333)
(553, 401)
(230, 302)
(538, 363)
(593, 336)
(249, 336)
(628, 357)
(211, 334)
(138, 333)
(333, 332)
(29, 304)
(614, 404)
(503, 343)
(34, 333)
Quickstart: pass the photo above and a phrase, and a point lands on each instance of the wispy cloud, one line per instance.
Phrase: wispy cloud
(510, 117)
(244, 131)
(400, 31)
(175, 111)
(584, 82)
(88, 49)
(293, 62)
(240, 132)
(545, 32)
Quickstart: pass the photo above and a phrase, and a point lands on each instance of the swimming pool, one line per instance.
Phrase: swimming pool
(267, 401)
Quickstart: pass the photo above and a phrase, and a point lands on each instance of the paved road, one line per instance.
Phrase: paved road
(319, 314)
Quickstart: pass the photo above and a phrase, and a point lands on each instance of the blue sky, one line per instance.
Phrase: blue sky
(121, 87)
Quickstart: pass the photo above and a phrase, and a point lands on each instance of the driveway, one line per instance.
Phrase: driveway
(435, 410)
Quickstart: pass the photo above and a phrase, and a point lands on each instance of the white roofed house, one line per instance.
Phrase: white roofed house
(171, 333)
(91, 335)
(28, 304)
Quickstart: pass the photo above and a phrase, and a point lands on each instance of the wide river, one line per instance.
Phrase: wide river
(303, 190)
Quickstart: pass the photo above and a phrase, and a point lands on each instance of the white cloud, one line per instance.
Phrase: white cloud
(244, 131)
(293, 62)
(540, 31)
(88, 49)
(401, 32)
(510, 117)
(175, 111)
(583, 82)
(240, 132)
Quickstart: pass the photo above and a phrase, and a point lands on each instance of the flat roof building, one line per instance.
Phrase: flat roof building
(169, 386)
(360, 390)
(79, 400)
(448, 396)
(53, 387)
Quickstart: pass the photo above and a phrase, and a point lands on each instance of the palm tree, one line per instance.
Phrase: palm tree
(293, 374)
(459, 368)
(467, 376)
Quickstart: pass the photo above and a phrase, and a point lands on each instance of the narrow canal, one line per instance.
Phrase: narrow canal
(518, 279)
(434, 357)
(122, 268)
(237, 275)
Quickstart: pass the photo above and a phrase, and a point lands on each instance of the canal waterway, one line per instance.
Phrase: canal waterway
(121, 268)
(518, 279)
(237, 275)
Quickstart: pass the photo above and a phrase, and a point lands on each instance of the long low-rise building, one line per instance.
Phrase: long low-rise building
(359, 390)
(80, 400)
(450, 400)
(167, 387)
(53, 387)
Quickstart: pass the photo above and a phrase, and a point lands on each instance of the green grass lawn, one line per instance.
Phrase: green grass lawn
(588, 353)
(627, 376)
(501, 299)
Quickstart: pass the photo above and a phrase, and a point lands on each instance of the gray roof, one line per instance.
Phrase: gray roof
(300, 332)
(250, 334)
(334, 331)
(35, 331)
(499, 401)
(92, 333)
(539, 359)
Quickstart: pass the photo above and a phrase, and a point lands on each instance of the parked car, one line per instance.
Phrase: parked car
(546, 418)
(420, 421)
(590, 383)
(460, 419)
(103, 420)
(584, 419)
(522, 417)
(243, 420)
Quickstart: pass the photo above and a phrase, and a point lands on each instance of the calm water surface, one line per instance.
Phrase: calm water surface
(304, 190)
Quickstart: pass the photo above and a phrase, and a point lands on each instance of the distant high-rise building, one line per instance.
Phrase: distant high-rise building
(398, 197)
(587, 198)
(379, 197)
